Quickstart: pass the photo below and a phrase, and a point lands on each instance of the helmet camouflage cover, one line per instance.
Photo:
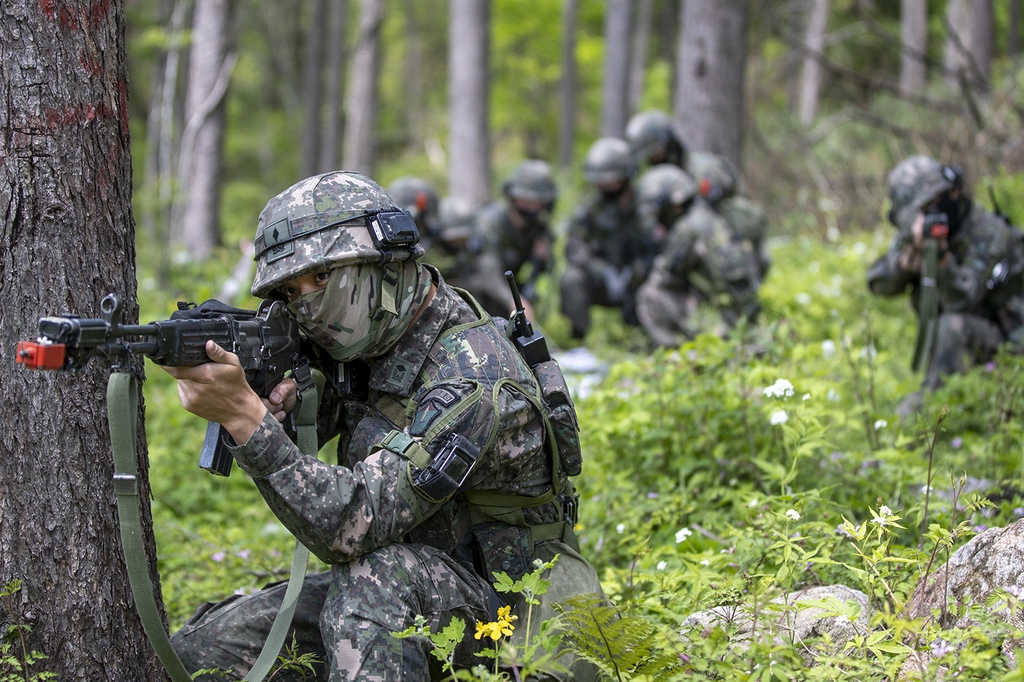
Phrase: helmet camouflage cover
(917, 180)
(648, 132)
(532, 180)
(415, 195)
(609, 160)
(665, 184)
(715, 175)
(327, 221)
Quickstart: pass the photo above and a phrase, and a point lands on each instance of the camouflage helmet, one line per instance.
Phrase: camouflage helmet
(327, 221)
(455, 216)
(917, 180)
(652, 131)
(665, 184)
(715, 175)
(415, 195)
(609, 160)
(532, 180)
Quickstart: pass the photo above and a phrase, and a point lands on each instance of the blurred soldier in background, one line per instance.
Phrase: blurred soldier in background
(963, 265)
(420, 199)
(706, 278)
(514, 230)
(606, 252)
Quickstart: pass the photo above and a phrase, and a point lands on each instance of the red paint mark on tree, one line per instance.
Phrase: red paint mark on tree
(70, 17)
(92, 65)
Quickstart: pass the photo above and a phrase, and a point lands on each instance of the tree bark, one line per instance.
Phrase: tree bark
(469, 167)
(335, 85)
(567, 86)
(67, 239)
(638, 63)
(197, 223)
(1013, 32)
(414, 91)
(312, 81)
(361, 98)
(914, 38)
(968, 52)
(810, 74)
(615, 85)
(711, 66)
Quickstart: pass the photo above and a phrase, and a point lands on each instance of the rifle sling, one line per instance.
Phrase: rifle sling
(122, 413)
(928, 306)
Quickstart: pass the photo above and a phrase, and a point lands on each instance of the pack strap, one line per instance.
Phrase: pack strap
(122, 414)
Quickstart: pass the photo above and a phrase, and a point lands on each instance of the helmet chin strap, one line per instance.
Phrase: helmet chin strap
(388, 292)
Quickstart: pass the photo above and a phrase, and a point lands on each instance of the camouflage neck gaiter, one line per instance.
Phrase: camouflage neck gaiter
(364, 309)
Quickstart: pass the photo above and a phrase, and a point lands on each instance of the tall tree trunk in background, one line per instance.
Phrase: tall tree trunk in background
(914, 38)
(412, 77)
(638, 62)
(196, 216)
(712, 61)
(567, 85)
(312, 80)
(469, 82)
(968, 52)
(335, 85)
(1013, 31)
(361, 97)
(810, 74)
(67, 239)
(615, 85)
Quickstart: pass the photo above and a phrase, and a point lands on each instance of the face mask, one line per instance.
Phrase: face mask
(952, 209)
(364, 309)
(613, 194)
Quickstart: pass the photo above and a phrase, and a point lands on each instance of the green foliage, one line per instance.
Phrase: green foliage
(17, 663)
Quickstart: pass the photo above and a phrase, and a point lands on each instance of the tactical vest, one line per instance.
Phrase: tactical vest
(488, 528)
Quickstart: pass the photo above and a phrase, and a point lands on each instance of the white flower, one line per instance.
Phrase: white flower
(706, 562)
(752, 503)
(828, 348)
(833, 395)
(662, 565)
(880, 520)
(842, 619)
(880, 424)
(780, 389)
(885, 511)
(779, 417)
(803, 298)
(682, 534)
(807, 396)
(620, 529)
(793, 515)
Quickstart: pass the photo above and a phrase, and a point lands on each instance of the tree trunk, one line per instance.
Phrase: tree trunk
(67, 239)
(469, 166)
(1013, 30)
(914, 36)
(968, 53)
(196, 224)
(567, 86)
(312, 80)
(638, 63)
(361, 98)
(414, 92)
(615, 85)
(810, 74)
(335, 85)
(712, 61)
(981, 39)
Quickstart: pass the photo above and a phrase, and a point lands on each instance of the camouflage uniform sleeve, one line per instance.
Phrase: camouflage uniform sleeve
(885, 276)
(961, 281)
(577, 251)
(337, 512)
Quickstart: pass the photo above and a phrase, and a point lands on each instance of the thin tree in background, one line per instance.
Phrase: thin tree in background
(412, 76)
(363, 91)
(195, 220)
(914, 39)
(1013, 30)
(615, 85)
(967, 56)
(567, 85)
(335, 85)
(810, 74)
(312, 88)
(469, 154)
(638, 62)
(67, 238)
(711, 66)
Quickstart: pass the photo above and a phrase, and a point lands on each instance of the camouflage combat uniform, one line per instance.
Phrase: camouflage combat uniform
(705, 280)
(402, 540)
(607, 256)
(981, 290)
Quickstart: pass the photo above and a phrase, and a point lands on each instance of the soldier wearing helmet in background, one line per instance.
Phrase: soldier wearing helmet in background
(515, 230)
(963, 265)
(705, 278)
(449, 439)
(606, 252)
(419, 199)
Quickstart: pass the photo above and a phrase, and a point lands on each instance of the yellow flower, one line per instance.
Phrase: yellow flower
(501, 627)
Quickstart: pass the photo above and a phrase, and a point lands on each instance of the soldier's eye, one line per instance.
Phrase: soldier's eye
(322, 277)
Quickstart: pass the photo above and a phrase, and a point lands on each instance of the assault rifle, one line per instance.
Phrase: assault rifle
(936, 229)
(266, 341)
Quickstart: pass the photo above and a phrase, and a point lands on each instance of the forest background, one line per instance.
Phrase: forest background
(701, 488)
